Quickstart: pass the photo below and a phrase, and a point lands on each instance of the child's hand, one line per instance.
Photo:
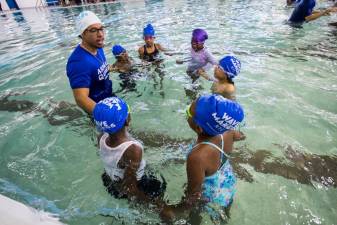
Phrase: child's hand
(239, 136)
(112, 68)
(333, 9)
(201, 71)
(327, 12)
(167, 214)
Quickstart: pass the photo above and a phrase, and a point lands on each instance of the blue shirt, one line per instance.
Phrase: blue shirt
(302, 9)
(86, 70)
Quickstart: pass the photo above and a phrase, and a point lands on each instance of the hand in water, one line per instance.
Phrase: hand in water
(169, 54)
(112, 68)
(333, 9)
(201, 71)
(326, 12)
(239, 136)
(146, 63)
(167, 214)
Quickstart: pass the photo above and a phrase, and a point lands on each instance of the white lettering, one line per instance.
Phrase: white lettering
(103, 71)
(111, 102)
(226, 121)
(105, 125)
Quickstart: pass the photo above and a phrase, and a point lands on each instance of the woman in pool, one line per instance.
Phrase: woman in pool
(211, 182)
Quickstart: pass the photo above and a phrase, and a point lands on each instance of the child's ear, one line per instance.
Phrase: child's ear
(128, 120)
(198, 129)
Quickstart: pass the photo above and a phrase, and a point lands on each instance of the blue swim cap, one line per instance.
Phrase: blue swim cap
(117, 50)
(231, 65)
(110, 114)
(216, 114)
(148, 30)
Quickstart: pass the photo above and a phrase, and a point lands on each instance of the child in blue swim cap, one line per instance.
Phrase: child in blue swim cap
(211, 181)
(224, 73)
(123, 62)
(149, 52)
(122, 155)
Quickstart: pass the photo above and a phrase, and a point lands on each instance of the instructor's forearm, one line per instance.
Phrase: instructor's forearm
(86, 103)
(83, 100)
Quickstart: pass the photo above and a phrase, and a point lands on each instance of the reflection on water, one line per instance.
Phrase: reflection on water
(287, 86)
(303, 167)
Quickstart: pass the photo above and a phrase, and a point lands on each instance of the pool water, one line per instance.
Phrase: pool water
(287, 86)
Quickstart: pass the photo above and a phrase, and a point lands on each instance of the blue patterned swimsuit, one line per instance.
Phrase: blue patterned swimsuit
(219, 188)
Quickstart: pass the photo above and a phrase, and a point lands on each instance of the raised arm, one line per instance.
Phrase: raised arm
(316, 14)
(203, 73)
(164, 50)
(230, 137)
(210, 58)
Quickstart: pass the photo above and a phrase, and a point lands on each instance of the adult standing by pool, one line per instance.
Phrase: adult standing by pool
(87, 68)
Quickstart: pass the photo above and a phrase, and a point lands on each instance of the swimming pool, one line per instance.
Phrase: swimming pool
(287, 85)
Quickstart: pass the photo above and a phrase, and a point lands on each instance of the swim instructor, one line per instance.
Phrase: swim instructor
(87, 68)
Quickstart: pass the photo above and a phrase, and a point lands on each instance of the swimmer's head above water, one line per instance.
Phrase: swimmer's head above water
(213, 114)
(228, 66)
(119, 52)
(199, 36)
(149, 34)
(111, 114)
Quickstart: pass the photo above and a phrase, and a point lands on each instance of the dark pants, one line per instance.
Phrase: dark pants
(148, 184)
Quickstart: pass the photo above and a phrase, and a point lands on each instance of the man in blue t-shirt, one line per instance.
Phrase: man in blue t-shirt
(304, 12)
(87, 69)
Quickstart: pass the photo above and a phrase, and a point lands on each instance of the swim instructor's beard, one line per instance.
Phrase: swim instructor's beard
(97, 45)
(100, 46)
(92, 47)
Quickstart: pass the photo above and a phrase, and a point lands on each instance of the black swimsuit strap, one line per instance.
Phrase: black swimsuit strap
(153, 53)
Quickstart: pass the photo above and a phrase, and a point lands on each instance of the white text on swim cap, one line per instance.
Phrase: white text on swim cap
(237, 65)
(226, 121)
(111, 102)
(105, 125)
